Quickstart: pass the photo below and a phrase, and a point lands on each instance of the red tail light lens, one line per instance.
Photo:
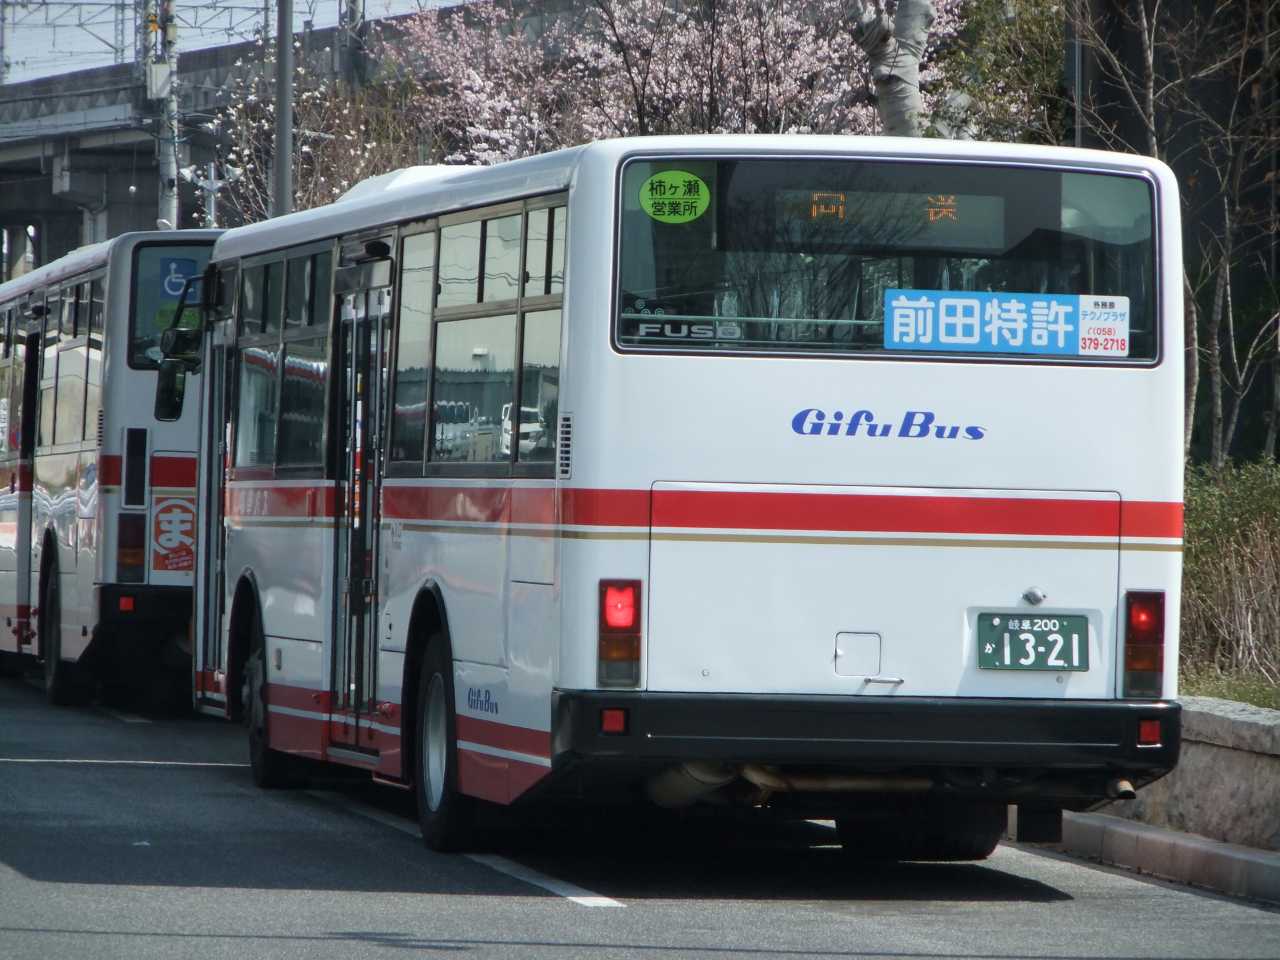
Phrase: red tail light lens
(1144, 644)
(619, 633)
(618, 606)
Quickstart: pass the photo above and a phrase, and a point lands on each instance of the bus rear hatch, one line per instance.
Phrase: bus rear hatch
(882, 591)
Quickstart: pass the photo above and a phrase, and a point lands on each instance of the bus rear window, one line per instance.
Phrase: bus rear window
(887, 258)
(161, 273)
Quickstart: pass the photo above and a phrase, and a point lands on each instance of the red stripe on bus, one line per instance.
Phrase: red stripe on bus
(1150, 519)
(522, 776)
(262, 501)
(533, 505)
(297, 698)
(605, 508)
(738, 510)
(469, 504)
(173, 471)
(480, 775)
(110, 469)
(881, 513)
(504, 736)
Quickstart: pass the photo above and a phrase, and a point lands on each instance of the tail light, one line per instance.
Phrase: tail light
(619, 650)
(131, 548)
(1144, 644)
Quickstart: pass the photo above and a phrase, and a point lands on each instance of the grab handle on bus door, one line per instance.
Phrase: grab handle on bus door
(893, 680)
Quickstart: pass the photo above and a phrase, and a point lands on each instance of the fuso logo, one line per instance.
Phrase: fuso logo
(173, 535)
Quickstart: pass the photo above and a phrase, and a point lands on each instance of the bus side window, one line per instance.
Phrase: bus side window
(474, 365)
(539, 386)
(97, 304)
(413, 358)
(93, 387)
(67, 325)
(321, 287)
(259, 401)
(252, 293)
(48, 368)
(295, 292)
(459, 264)
(544, 253)
(5, 426)
(224, 303)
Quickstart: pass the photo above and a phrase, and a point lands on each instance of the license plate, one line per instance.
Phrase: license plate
(1045, 642)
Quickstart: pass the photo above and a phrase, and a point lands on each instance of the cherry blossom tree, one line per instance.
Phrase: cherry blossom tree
(341, 135)
(489, 90)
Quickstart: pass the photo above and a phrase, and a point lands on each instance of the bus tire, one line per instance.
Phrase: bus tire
(63, 685)
(445, 816)
(271, 769)
(937, 829)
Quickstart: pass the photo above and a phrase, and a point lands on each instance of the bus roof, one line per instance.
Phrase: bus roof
(90, 257)
(418, 192)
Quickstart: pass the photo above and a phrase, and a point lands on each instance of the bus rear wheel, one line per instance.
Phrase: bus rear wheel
(930, 828)
(445, 816)
(63, 684)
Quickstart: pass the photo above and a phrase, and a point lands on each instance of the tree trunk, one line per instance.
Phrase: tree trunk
(1217, 451)
(895, 51)
(1273, 421)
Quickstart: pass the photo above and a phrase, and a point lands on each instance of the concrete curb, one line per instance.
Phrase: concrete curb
(1182, 857)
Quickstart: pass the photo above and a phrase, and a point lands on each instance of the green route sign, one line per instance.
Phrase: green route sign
(675, 196)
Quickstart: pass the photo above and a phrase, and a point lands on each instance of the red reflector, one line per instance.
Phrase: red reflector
(613, 720)
(619, 607)
(1149, 733)
(126, 604)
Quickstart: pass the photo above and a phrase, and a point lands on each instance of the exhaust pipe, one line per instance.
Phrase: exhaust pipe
(1119, 788)
(688, 783)
(775, 782)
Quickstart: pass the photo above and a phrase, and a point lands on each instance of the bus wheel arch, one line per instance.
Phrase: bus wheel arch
(63, 683)
(244, 609)
(427, 620)
(445, 814)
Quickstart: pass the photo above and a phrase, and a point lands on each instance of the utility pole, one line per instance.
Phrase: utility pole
(161, 64)
(282, 163)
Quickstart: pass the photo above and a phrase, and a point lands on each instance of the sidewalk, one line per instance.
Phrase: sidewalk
(1182, 857)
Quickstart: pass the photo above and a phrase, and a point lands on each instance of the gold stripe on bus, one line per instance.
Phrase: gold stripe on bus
(241, 523)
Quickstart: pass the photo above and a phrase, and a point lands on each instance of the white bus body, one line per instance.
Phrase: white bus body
(97, 557)
(860, 477)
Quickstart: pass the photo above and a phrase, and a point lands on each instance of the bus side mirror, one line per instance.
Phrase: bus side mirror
(181, 346)
(171, 387)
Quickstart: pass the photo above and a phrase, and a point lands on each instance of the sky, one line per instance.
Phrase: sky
(45, 37)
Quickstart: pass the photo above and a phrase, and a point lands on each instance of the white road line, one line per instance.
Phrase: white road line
(123, 763)
(561, 888)
(124, 717)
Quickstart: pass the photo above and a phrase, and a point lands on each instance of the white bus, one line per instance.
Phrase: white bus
(97, 522)
(859, 495)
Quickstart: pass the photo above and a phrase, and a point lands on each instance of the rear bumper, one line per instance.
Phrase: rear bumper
(1068, 747)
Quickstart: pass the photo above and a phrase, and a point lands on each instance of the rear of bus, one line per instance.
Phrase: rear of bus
(147, 471)
(873, 501)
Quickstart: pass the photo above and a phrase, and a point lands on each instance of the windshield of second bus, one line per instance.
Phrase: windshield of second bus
(886, 257)
(159, 276)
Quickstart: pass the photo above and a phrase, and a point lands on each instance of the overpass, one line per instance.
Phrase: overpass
(79, 151)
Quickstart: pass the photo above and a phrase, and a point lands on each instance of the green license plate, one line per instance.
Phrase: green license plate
(1043, 642)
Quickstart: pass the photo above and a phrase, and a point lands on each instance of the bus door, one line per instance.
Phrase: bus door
(209, 594)
(363, 293)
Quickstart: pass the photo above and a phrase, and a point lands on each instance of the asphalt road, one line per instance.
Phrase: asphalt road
(139, 837)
